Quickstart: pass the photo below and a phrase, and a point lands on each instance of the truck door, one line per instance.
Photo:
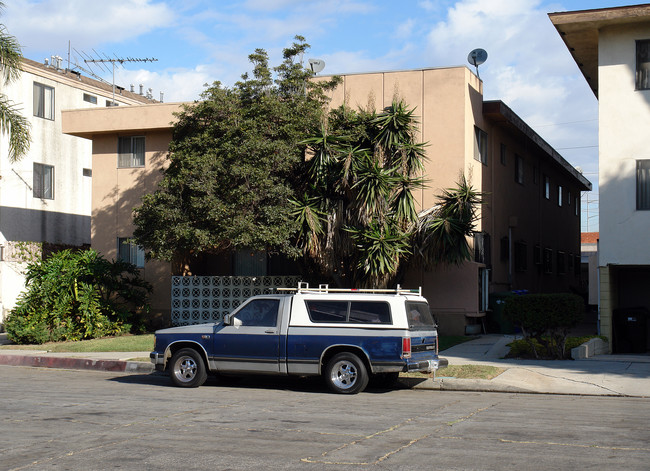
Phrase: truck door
(254, 345)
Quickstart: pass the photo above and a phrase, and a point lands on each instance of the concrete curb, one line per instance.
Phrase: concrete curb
(455, 384)
(119, 366)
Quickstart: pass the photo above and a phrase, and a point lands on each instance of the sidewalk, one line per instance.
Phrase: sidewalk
(603, 375)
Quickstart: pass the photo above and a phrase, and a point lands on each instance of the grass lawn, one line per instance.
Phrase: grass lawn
(123, 343)
(461, 372)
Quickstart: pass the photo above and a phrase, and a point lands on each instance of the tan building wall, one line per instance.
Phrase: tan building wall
(116, 191)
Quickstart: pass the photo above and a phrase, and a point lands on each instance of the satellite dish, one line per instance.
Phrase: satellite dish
(476, 58)
(316, 65)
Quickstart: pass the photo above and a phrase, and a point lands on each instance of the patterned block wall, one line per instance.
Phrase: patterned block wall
(200, 299)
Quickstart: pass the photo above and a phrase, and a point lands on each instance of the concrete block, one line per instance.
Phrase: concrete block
(590, 348)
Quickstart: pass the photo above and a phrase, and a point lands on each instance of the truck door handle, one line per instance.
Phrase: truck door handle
(270, 331)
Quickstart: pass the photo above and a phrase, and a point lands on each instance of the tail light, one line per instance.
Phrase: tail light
(406, 347)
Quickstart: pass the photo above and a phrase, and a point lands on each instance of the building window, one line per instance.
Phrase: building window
(43, 181)
(90, 98)
(521, 256)
(561, 263)
(503, 154)
(519, 169)
(129, 252)
(482, 250)
(559, 195)
(547, 187)
(643, 64)
(130, 151)
(568, 199)
(112, 103)
(87, 172)
(480, 145)
(535, 175)
(643, 184)
(548, 260)
(576, 210)
(43, 101)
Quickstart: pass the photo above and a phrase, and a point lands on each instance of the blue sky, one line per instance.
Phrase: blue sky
(200, 41)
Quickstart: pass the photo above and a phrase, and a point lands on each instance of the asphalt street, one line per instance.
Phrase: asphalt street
(59, 419)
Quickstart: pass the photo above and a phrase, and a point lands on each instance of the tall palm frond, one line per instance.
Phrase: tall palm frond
(396, 124)
(17, 127)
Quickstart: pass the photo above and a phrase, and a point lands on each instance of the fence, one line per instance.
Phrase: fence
(200, 299)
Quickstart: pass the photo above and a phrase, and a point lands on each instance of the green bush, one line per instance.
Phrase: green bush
(545, 320)
(75, 296)
(522, 348)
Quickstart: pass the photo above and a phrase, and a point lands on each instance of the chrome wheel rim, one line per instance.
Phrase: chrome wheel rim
(185, 369)
(344, 374)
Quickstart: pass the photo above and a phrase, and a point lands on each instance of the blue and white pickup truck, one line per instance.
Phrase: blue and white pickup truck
(346, 336)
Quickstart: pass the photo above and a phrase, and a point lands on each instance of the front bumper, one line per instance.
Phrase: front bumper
(158, 359)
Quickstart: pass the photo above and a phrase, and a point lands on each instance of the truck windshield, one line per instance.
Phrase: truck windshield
(419, 316)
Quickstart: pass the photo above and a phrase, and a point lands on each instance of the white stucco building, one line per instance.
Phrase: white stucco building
(612, 48)
(45, 198)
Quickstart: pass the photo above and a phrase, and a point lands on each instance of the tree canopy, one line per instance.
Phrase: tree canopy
(233, 164)
(11, 121)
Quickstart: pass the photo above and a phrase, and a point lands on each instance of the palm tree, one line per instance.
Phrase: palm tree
(11, 121)
(357, 214)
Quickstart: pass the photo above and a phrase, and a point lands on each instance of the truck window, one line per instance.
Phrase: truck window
(370, 312)
(328, 311)
(357, 312)
(419, 316)
(260, 313)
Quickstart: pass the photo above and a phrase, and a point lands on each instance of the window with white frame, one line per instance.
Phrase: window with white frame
(127, 251)
(43, 182)
(43, 101)
(643, 185)
(130, 151)
(480, 145)
(643, 64)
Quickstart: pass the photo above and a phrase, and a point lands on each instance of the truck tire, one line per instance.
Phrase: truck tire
(187, 368)
(346, 373)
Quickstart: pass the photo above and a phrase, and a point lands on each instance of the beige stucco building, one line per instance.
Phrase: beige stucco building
(612, 48)
(45, 196)
(529, 232)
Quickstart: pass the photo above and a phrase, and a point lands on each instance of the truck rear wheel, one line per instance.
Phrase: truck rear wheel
(187, 368)
(346, 373)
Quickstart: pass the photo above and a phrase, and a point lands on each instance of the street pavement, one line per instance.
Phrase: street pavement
(601, 375)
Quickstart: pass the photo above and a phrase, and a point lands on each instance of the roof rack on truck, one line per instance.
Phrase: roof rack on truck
(303, 287)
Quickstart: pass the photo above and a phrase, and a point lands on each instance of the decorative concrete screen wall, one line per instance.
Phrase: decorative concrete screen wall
(200, 299)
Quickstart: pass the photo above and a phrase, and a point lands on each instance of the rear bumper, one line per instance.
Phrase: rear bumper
(426, 365)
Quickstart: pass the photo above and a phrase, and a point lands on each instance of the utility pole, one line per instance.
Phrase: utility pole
(121, 61)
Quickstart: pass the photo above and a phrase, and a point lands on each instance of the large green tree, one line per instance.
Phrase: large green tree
(359, 223)
(11, 121)
(233, 164)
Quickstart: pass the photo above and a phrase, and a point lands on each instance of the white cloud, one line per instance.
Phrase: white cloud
(39, 24)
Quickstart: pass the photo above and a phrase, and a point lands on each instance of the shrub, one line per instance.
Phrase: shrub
(75, 296)
(545, 320)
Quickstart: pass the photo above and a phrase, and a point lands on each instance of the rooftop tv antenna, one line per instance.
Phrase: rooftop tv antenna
(476, 58)
(316, 65)
(113, 61)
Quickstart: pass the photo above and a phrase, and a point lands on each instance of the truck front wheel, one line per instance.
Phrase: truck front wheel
(346, 373)
(187, 368)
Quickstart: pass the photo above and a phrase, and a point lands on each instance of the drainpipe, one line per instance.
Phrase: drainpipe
(512, 223)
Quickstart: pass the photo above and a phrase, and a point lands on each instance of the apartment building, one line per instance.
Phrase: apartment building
(45, 198)
(612, 49)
